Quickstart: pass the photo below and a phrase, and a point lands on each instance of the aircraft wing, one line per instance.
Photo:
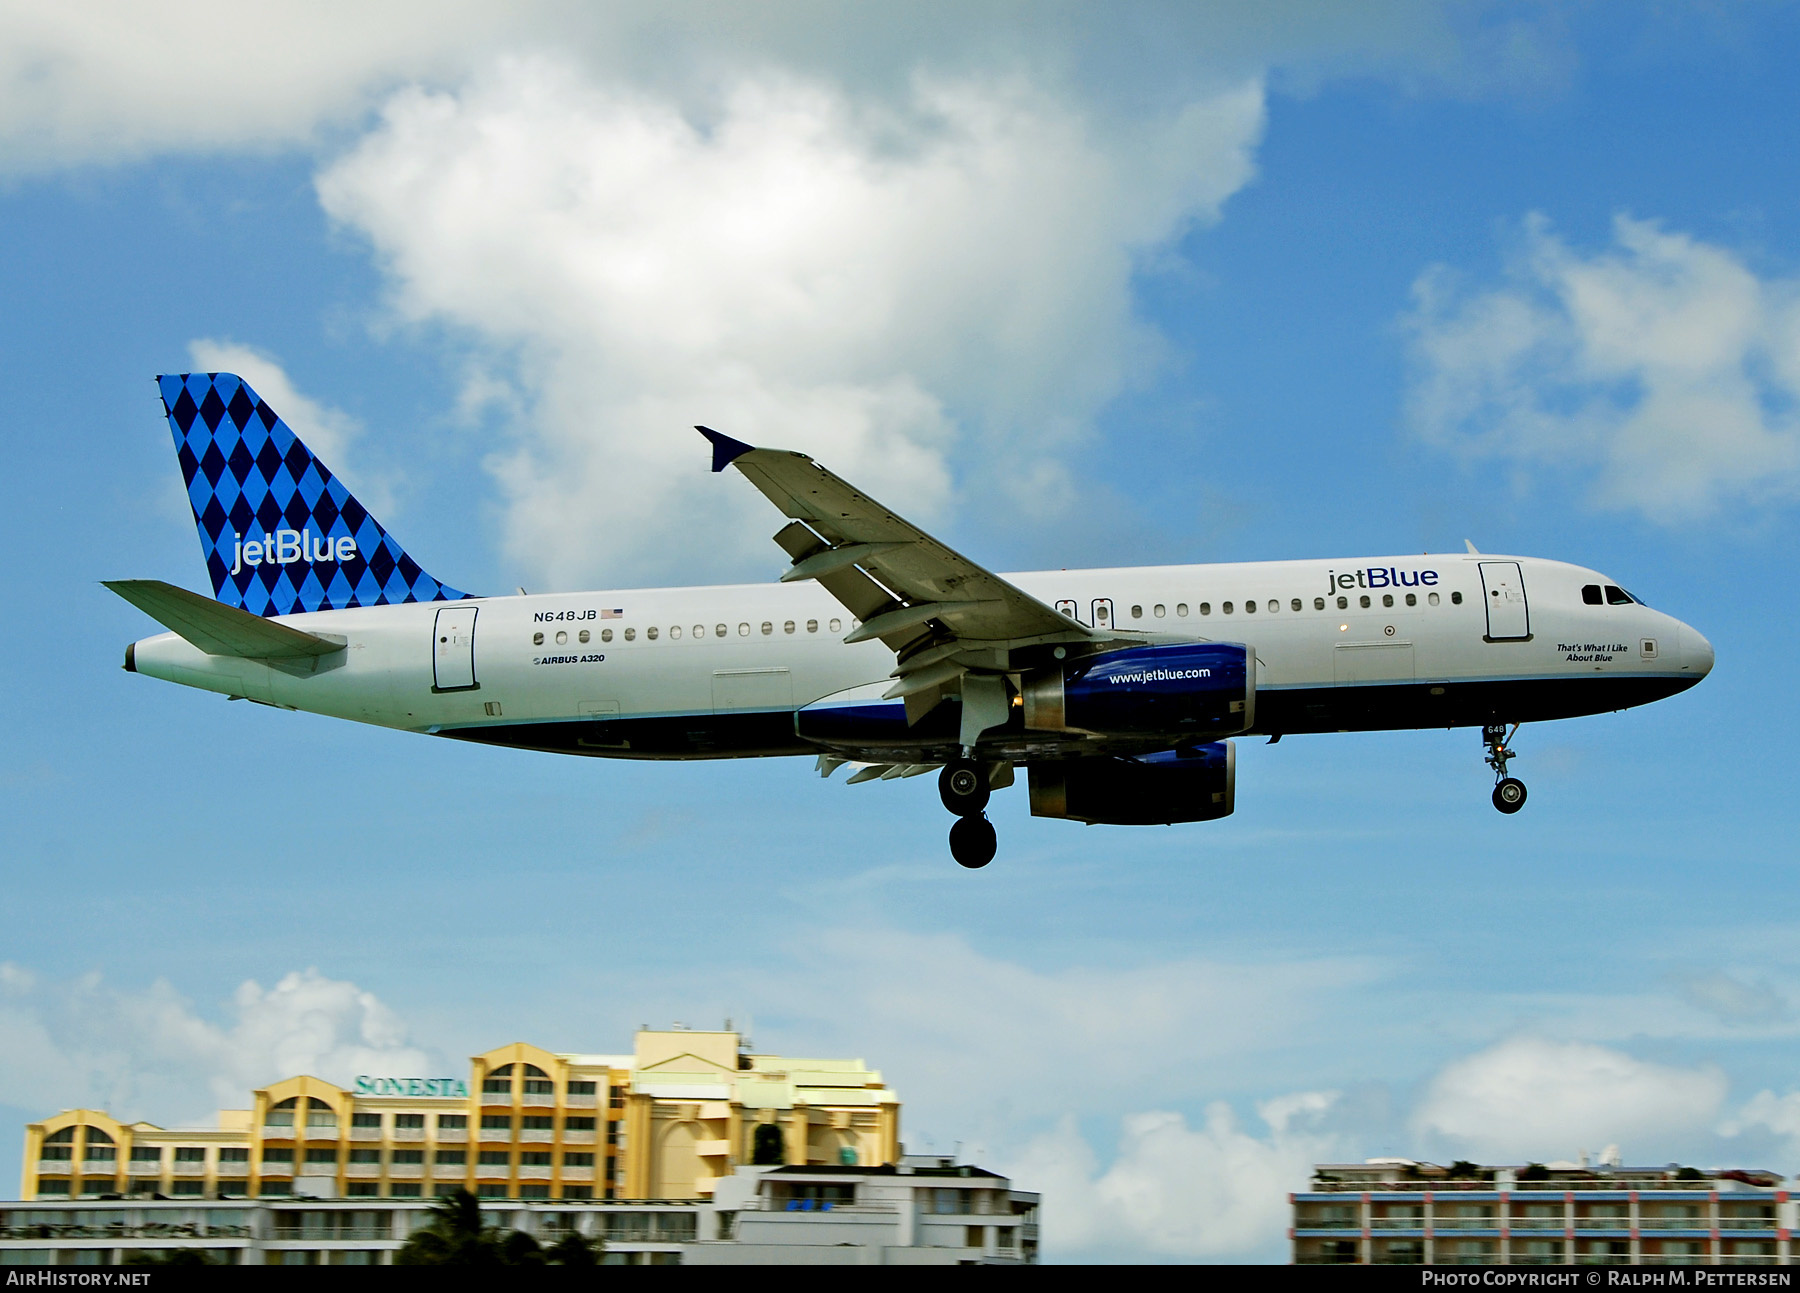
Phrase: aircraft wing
(940, 613)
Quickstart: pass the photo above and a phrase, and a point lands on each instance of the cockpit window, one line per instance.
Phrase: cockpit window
(1616, 596)
(1590, 593)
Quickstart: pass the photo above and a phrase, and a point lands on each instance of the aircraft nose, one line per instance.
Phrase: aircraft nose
(1696, 653)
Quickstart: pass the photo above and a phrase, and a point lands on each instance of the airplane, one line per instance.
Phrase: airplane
(1120, 691)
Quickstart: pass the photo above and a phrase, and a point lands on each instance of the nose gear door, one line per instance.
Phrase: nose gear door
(1503, 589)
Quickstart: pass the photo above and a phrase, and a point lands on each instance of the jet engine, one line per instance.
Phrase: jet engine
(1185, 690)
(1192, 784)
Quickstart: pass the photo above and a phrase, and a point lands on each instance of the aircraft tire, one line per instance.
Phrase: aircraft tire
(1509, 795)
(973, 842)
(963, 786)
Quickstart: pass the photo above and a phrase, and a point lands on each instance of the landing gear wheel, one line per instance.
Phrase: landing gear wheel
(973, 842)
(1509, 795)
(963, 786)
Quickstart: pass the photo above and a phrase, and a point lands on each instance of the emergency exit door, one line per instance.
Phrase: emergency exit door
(453, 649)
(1503, 589)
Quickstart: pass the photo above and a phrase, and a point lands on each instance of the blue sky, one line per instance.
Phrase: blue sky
(1197, 287)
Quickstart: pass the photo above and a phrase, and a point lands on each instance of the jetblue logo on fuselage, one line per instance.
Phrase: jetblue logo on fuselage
(285, 547)
(1379, 577)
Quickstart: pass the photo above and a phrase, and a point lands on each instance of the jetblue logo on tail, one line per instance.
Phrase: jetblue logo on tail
(285, 547)
(279, 532)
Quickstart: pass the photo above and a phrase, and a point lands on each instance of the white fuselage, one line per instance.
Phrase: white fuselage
(693, 659)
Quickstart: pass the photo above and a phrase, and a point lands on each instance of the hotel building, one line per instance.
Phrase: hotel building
(668, 1121)
(1401, 1212)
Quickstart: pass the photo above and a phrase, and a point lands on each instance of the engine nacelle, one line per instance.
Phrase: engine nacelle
(1193, 690)
(1195, 784)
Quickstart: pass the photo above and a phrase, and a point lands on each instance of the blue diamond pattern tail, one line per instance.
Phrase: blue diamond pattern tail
(280, 533)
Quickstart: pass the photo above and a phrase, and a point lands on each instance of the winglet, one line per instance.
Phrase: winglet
(725, 450)
(1473, 550)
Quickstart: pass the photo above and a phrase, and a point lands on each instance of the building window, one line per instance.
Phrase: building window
(493, 1158)
(578, 1191)
(615, 1097)
(356, 1156)
(453, 1122)
(232, 1189)
(490, 1190)
(139, 1154)
(276, 1189)
(409, 1121)
(186, 1154)
(578, 1160)
(321, 1120)
(582, 1088)
(538, 1086)
(537, 1122)
(534, 1158)
(64, 1137)
(321, 1155)
(363, 1190)
(534, 1191)
(766, 1147)
(284, 1156)
(578, 1123)
(496, 1122)
(408, 1156)
(450, 1157)
(57, 1153)
(366, 1120)
(405, 1190)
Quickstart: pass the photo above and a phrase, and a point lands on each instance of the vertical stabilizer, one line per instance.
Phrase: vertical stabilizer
(279, 532)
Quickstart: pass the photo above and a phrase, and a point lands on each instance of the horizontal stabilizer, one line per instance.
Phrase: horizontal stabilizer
(218, 629)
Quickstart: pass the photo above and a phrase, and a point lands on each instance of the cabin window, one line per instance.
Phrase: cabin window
(1274, 604)
(631, 634)
(1456, 599)
(1343, 603)
(719, 630)
(768, 628)
(582, 636)
(1137, 612)
(1616, 596)
(1590, 593)
(561, 637)
(743, 630)
(1412, 599)
(1250, 607)
(788, 627)
(1206, 608)
(1294, 605)
(537, 639)
(1159, 610)
(674, 632)
(812, 626)
(606, 635)
(1387, 599)
(1181, 609)
(837, 626)
(1365, 601)
(1226, 607)
(699, 631)
(1432, 598)
(1318, 603)
(650, 633)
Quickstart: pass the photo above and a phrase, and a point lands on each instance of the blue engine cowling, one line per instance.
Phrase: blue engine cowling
(1193, 690)
(1193, 784)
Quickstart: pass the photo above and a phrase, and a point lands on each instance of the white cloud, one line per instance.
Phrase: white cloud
(1527, 1098)
(1665, 367)
(869, 284)
(1769, 1114)
(147, 1054)
(1216, 1191)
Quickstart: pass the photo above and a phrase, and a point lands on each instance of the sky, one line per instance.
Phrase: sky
(1071, 287)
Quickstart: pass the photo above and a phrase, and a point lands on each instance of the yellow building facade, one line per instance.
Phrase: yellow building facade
(665, 1122)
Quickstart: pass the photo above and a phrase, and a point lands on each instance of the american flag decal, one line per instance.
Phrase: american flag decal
(611, 615)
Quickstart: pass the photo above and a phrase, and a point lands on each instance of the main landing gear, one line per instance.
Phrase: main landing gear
(963, 786)
(1509, 792)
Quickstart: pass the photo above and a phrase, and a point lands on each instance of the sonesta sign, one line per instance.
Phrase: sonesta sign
(444, 1088)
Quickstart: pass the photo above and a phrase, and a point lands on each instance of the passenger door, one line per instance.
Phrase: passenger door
(1503, 590)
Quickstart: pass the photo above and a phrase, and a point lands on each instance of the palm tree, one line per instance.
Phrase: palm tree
(456, 1236)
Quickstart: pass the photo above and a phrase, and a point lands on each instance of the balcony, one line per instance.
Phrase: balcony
(534, 1172)
(453, 1135)
(1397, 1223)
(449, 1171)
(537, 1136)
(360, 1171)
(187, 1168)
(578, 1174)
(1738, 1225)
(56, 1167)
(1465, 1223)
(409, 1171)
(1674, 1223)
(409, 1133)
(581, 1101)
(1603, 1223)
(1537, 1223)
(100, 1167)
(538, 1100)
(1327, 1223)
(365, 1133)
(578, 1137)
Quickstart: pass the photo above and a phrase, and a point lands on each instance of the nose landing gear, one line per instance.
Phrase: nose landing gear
(1509, 792)
(963, 786)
